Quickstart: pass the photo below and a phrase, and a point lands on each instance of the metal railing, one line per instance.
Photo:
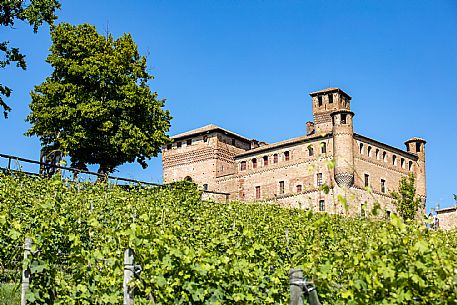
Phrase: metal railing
(77, 171)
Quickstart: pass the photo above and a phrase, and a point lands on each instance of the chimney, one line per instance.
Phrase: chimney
(309, 128)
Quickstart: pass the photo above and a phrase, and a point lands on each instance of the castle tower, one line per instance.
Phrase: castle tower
(324, 103)
(343, 148)
(417, 147)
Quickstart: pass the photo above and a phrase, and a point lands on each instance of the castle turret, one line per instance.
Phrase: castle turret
(343, 148)
(417, 147)
(324, 103)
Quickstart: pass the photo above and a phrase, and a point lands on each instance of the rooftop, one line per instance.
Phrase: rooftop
(207, 129)
(330, 90)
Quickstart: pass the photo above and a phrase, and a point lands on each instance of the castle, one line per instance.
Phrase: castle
(314, 171)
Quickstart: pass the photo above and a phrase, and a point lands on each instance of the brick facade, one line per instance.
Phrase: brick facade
(447, 218)
(293, 171)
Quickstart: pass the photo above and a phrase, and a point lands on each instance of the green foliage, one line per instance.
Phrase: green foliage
(405, 199)
(10, 294)
(196, 252)
(96, 106)
(35, 12)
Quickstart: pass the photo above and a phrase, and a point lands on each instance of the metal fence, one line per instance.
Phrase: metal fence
(11, 164)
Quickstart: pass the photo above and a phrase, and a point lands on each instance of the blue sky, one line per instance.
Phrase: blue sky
(248, 66)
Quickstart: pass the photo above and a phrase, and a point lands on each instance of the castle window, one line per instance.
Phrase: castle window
(323, 148)
(418, 147)
(361, 148)
(377, 154)
(343, 118)
(410, 165)
(394, 160)
(383, 186)
(265, 160)
(257, 192)
(330, 98)
(243, 165)
(205, 138)
(299, 188)
(275, 158)
(310, 150)
(205, 187)
(233, 142)
(319, 179)
(188, 179)
(402, 162)
(384, 156)
(254, 163)
(319, 100)
(169, 146)
(286, 156)
(367, 180)
(179, 144)
(321, 205)
(281, 187)
(369, 151)
(189, 142)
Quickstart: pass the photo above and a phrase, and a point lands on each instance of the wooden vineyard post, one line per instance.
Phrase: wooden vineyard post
(26, 272)
(296, 290)
(129, 271)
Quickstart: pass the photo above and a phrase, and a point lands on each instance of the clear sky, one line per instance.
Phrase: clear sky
(248, 66)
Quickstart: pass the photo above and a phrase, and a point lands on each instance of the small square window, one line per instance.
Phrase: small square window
(321, 205)
(189, 142)
(319, 179)
(178, 144)
(299, 188)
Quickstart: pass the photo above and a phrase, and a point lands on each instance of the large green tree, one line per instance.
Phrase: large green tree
(96, 106)
(35, 12)
(405, 198)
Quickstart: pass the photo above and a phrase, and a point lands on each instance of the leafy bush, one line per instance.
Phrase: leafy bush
(196, 252)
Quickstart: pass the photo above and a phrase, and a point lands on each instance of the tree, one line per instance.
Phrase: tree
(405, 199)
(35, 12)
(96, 106)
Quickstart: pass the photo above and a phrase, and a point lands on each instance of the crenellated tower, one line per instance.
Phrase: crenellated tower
(325, 102)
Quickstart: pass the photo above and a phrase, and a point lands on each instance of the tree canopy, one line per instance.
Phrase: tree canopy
(35, 12)
(405, 199)
(96, 106)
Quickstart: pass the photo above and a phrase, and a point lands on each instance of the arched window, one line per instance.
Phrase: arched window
(254, 163)
(384, 156)
(369, 151)
(361, 148)
(275, 158)
(243, 165)
(394, 160)
(286, 156)
(377, 154)
(310, 151)
(188, 179)
(402, 162)
(323, 148)
(265, 160)
(410, 165)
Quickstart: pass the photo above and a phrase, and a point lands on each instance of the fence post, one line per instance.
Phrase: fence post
(26, 272)
(296, 290)
(129, 269)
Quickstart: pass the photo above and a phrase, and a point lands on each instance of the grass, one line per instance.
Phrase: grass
(10, 294)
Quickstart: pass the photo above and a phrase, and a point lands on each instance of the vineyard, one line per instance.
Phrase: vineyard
(197, 252)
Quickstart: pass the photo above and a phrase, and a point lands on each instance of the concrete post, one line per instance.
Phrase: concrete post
(26, 272)
(296, 290)
(129, 270)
